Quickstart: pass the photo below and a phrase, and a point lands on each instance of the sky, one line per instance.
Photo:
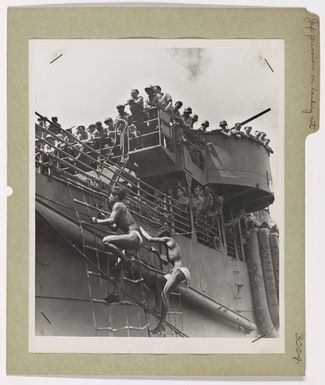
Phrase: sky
(220, 79)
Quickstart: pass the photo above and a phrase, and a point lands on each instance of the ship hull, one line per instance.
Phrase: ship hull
(218, 303)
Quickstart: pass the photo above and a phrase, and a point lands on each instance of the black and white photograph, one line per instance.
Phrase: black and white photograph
(157, 195)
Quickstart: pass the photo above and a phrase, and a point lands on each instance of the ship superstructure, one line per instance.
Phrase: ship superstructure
(233, 261)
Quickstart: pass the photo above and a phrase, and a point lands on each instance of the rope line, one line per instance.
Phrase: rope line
(130, 296)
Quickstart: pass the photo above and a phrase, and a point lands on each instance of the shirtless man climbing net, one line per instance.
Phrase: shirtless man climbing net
(120, 244)
(178, 274)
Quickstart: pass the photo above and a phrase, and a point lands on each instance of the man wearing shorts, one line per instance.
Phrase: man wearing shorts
(179, 274)
(131, 239)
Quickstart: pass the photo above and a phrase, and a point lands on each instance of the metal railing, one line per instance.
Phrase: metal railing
(210, 231)
(143, 200)
(235, 242)
(155, 131)
(141, 195)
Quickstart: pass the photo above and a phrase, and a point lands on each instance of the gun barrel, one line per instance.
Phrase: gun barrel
(255, 116)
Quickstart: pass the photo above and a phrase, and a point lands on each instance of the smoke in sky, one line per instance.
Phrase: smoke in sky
(193, 60)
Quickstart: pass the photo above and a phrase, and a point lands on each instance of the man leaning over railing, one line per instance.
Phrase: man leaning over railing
(83, 137)
(48, 151)
(110, 134)
(93, 136)
(165, 101)
(197, 201)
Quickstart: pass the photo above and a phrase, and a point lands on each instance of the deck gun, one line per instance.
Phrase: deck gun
(252, 118)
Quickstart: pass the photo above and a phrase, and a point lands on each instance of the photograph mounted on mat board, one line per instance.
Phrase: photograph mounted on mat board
(50, 307)
(159, 196)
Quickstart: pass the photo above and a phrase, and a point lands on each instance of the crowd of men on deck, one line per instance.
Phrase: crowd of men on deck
(140, 120)
(207, 207)
(203, 200)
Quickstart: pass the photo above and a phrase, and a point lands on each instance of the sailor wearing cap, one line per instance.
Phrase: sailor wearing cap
(224, 130)
(266, 144)
(150, 90)
(165, 101)
(48, 151)
(135, 103)
(63, 140)
(202, 129)
(49, 147)
(109, 122)
(197, 200)
(195, 118)
(152, 99)
(120, 108)
(177, 121)
(205, 124)
(41, 122)
(110, 132)
(182, 200)
(236, 131)
(260, 136)
(58, 140)
(99, 127)
(82, 134)
(122, 115)
(109, 126)
(263, 136)
(139, 115)
(247, 133)
(186, 117)
(223, 124)
(50, 138)
(91, 128)
(94, 135)
(176, 113)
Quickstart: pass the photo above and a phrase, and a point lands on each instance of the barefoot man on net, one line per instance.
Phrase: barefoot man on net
(120, 244)
(179, 274)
